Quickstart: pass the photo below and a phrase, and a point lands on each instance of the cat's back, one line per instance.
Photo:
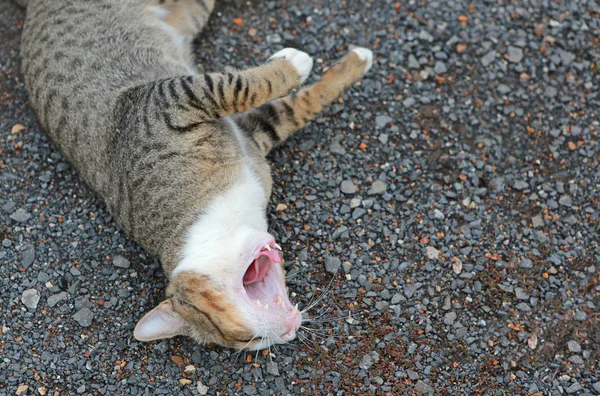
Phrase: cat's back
(78, 56)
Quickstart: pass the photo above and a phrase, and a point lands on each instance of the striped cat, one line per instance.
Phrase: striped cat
(179, 156)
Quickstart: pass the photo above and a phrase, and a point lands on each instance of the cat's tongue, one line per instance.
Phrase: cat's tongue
(259, 267)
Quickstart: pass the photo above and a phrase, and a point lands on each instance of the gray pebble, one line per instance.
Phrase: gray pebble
(56, 298)
(515, 54)
(449, 318)
(574, 346)
(21, 215)
(30, 298)
(332, 264)
(488, 58)
(27, 256)
(378, 187)
(84, 317)
(348, 187)
(272, 368)
(382, 120)
(121, 262)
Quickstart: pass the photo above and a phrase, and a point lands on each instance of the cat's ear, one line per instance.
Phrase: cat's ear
(161, 322)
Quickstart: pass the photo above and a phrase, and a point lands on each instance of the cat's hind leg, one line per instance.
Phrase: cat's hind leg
(272, 123)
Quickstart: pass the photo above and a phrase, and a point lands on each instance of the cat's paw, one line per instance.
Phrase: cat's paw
(301, 61)
(365, 55)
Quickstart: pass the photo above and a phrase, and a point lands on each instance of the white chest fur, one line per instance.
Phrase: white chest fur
(223, 235)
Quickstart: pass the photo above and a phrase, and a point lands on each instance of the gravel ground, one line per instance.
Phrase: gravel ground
(454, 193)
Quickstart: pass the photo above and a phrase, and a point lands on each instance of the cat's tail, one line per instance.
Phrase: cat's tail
(21, 3)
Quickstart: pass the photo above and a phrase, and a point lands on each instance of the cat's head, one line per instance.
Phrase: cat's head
(239, 300)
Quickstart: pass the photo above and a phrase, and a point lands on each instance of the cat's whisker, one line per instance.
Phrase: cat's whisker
(300, 337)
(326, 287)
(325, 292)
(323, 335)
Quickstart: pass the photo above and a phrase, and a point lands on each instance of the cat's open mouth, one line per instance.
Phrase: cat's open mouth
(264, 283)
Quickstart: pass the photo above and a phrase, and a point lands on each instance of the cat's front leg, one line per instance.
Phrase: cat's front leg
(230, 93)
(272, 123)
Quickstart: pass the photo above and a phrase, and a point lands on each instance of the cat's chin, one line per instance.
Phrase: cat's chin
(265, 292)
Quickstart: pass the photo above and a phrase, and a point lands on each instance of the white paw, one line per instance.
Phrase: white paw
(301, 61)
(364, 55)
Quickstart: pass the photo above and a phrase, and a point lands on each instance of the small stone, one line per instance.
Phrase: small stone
(347, 187)
(413, 63)
(596, 386)
(497, 183)
(408, 102)
(574, 346)
(355, 203)
(432, 252)
(574, 388)
(532, 341)
(56, 298)
(438, 214)
(488, 58)
(413, 375)
(27, 256)
(449, 318)
(378, 187)
(337, 148)
(382, 120)
(121, 262)
(42, 390)
(30, 298)
(440, 67)
(366, 362)
(537, 221)
(274, 38)
(21, 215)
(21, 389)
(456, 265)
(425, 35)
(339, 232)
(576, 359)
(520, 185)
(84, 317)
(523, 307)
(383, 138)
(565, 200)
(185, 381)
(515, 54)
(332, 264)
(397, 298)
(381, 306)
(189, 369)
(503, 89)
(526, 263)
(273, 369)
(201, 388)
(422, 387)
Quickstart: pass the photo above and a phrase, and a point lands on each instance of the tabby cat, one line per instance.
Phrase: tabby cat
(179, 156)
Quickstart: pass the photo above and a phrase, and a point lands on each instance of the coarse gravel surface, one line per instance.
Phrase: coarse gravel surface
(454, 193)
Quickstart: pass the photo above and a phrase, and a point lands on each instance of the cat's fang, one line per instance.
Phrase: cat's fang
(268, 247)
(295, 310)
(277, 246)
(257, 302)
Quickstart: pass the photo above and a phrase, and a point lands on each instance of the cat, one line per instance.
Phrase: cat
(179, 156)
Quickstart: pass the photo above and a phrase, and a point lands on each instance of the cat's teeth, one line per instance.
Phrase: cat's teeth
(295, 310)
(257, 302)
(278, 247)
(268, 247)
(280, 302)
(266, 307)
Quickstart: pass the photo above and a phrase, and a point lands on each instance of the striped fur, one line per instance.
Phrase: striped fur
(114, 85)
